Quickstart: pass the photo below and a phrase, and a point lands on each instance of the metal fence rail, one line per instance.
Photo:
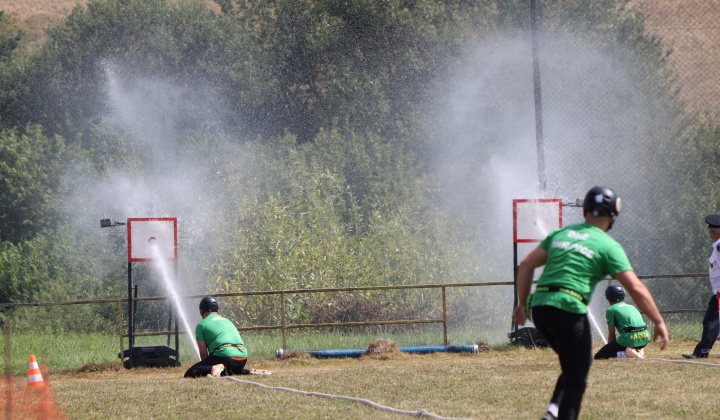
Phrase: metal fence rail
(284, 326)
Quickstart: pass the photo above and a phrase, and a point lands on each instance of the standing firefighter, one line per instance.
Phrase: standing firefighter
(221, 348)
(627, 332)
(576, 258)
(711, 323)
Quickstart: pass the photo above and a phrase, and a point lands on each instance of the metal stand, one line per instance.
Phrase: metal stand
(149, 356)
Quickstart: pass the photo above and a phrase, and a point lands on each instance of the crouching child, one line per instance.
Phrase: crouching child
(627, 332)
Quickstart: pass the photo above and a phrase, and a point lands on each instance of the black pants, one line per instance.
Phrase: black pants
(711, 326)
(611, 350)
(570, 336)
(203, 367)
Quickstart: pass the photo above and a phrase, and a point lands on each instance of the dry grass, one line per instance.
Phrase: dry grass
(495, 384)
(35, 15)
(689, 30)
(686, 27)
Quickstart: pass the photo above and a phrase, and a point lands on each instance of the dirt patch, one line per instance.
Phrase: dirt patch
(383, 349)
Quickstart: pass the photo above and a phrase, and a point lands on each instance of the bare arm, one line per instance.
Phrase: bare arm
(611, 333)
(203, 350)
(526, 269)
(645, 302)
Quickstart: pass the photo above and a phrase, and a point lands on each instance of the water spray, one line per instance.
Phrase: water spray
(164, 271)
(595, 324)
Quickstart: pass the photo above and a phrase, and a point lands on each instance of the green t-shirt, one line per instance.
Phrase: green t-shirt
(623, 316)
(215, 331)
(579, 256)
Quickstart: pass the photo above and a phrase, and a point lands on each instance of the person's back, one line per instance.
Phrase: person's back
(578, 257)
(221, 337)
(627, 331)
(221, 348)
(629, 322)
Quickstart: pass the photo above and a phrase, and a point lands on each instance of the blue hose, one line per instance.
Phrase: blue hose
(359, 352)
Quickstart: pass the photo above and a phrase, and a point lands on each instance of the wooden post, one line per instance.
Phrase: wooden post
(120, 328)
(444, 317)
(284, 330)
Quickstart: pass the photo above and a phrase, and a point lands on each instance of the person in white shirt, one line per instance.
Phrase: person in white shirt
(711, 321)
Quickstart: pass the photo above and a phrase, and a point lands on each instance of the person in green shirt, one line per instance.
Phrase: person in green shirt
(627, 332)
(576, 258)
(222, 350)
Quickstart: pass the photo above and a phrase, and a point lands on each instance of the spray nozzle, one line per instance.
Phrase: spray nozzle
(578, 203)
(109, 223)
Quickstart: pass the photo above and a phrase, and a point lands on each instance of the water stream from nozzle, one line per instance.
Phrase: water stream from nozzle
(163, 268)
(597, 327)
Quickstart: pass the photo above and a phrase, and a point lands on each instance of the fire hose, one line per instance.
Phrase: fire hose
(418, 413)
(684, 361)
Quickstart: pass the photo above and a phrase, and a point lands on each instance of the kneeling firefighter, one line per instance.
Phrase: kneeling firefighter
(627, 332)
(222, 350)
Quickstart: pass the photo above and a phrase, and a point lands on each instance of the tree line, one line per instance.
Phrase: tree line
(309, 124)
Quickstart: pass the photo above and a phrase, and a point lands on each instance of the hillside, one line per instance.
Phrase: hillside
(35, 15)
(687, 28)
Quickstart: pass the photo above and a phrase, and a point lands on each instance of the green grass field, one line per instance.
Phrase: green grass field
(502, 383)
(63, 351)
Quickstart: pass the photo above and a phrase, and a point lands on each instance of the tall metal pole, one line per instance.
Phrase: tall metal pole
(535, 22)
(177, 332)
(131, 340)
(513, 325)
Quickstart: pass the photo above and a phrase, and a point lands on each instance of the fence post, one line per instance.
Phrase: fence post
(282, 306)
(120, 328)
(444, 316)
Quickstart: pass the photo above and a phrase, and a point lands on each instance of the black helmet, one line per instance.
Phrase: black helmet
(208, 304)
(614, 293)
(602, 201)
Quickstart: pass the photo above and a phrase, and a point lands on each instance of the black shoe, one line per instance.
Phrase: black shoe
(695, 356)
(548, 416)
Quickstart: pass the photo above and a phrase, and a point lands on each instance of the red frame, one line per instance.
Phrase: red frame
(538, 200)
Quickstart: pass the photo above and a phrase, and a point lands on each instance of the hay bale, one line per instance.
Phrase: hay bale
(383, 349)
(483, 347)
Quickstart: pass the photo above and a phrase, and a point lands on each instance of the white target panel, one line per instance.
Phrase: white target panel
(534, 219)
(152, 238)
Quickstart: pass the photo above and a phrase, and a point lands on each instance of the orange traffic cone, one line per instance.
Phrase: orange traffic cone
(34, 376)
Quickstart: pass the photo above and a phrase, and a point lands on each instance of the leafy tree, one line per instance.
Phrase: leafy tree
(325, 101)
(304, 226)
(364, 62)
(10, 37)
(261, 68)
(30, 168)
(60, 264)
(65, 85)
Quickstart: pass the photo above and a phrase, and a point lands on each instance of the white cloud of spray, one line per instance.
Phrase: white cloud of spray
(597, 126)
(167, 176)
